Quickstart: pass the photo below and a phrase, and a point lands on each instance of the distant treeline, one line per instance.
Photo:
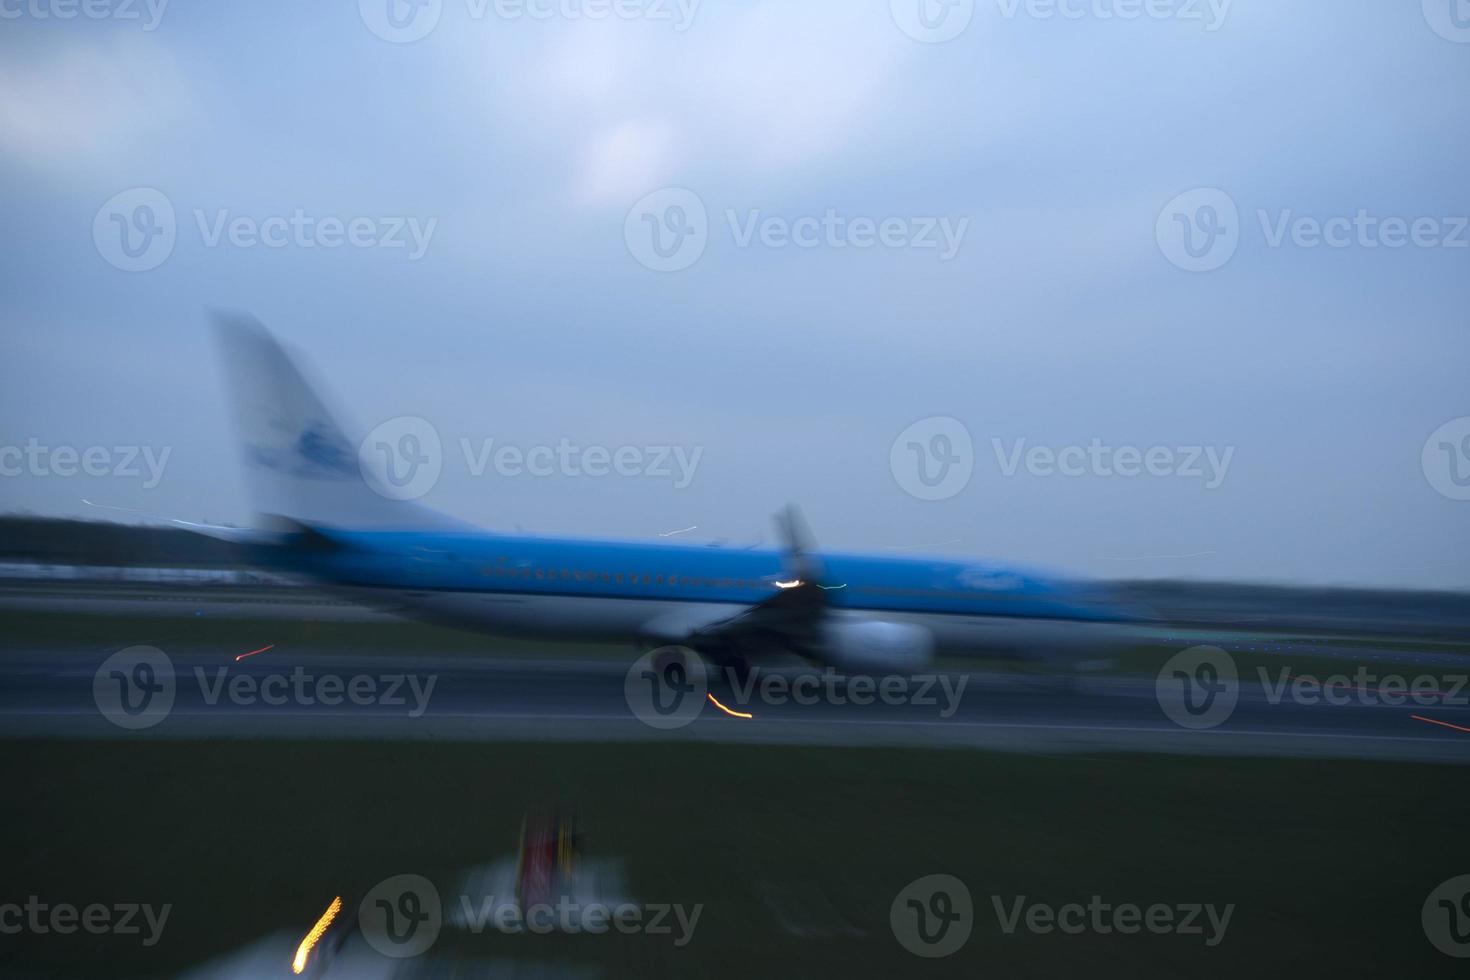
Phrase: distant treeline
(53, 541)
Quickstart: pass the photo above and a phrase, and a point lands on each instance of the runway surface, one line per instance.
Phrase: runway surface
(395, 695)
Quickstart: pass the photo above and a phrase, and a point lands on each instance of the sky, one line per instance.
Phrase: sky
(1118, 288)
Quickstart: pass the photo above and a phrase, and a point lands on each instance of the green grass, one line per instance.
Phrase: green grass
(1327, 863)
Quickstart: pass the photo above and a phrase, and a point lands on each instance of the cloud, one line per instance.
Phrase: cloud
(752, 90)
(84, 99)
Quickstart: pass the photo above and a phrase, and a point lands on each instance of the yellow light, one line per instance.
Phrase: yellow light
(302, 951)
(732, 714)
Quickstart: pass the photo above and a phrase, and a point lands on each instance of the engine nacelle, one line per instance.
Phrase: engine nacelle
(874, 646)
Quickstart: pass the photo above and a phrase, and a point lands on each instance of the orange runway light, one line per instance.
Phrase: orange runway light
(268, 646)
(1436, 721)
(732, 714)
(304, 950)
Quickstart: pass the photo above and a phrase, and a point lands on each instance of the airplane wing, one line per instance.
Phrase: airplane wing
(789, 621)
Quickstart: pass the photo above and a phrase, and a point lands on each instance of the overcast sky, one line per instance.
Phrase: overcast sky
(996, 237)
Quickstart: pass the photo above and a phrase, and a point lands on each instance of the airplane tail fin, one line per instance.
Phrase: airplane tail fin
(301, 466)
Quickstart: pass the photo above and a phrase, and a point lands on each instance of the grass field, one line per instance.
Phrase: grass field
(1327, 863)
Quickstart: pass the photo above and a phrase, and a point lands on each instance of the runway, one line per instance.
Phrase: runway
(396, 695)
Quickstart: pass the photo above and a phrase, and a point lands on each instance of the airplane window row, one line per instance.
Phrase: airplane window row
(940, 593)
(620, 578)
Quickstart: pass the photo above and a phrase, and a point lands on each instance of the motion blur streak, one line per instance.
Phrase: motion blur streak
(732, 714)
(308, 943)
(1436, 721)
(268, 646)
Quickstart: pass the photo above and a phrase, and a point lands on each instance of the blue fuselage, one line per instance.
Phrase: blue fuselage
(591, 569)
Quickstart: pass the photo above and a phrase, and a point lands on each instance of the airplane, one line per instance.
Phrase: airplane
(325, 517)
